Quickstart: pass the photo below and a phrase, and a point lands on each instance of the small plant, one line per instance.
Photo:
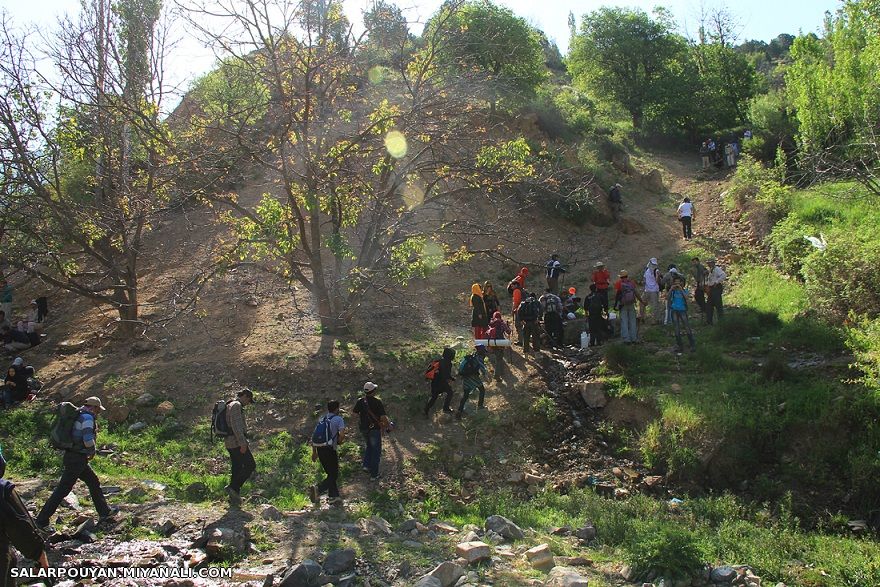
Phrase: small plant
(667, 551)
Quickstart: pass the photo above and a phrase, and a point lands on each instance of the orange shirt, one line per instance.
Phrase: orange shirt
(601, 278)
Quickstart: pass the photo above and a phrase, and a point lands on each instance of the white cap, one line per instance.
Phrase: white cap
(370, 386)
(653, 260)
(94, 402)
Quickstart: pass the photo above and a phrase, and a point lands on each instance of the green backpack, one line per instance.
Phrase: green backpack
(61, 435)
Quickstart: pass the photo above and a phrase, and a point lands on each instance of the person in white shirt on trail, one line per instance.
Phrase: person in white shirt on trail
(715, 285)
(686, 216)
(652, 292)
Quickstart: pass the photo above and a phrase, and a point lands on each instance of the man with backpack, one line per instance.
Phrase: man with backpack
(528, 314)
(551, 307)
(471, 369)
(242, 464)
(625, 303)
(373, 422)
(440, 376)
(554, 271)
(329, 432)
(16, 529)
(615, 201)
(81, 434)
(679, 310)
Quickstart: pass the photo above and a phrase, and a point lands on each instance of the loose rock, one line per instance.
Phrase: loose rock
(565, 577)
(473, 551)
(504, 527)
(540, 557)
(447, 573)
(304, 574)
(339, 561)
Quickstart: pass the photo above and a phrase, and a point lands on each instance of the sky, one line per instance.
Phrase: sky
(758, 19)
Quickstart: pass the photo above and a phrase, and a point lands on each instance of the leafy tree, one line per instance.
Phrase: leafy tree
(625, 55)
(388, 32)
(489, 44)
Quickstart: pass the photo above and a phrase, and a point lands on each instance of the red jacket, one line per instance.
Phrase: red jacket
(601, 278)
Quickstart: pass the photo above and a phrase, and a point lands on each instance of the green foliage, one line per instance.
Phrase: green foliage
(773, 125)
(760, 189)
(667, 551)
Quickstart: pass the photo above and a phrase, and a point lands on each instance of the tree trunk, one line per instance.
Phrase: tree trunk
(637, 118)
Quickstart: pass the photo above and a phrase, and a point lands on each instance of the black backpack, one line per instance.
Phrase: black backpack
(530, 310)
(219, 425)
(469, 366)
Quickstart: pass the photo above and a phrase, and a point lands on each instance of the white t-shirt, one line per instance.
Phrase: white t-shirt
(685, 209)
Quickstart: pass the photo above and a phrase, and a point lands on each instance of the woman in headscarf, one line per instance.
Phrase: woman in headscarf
(490, 298)
(479, 316)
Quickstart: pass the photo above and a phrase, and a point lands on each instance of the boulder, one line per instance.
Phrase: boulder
(630, 226)
(408, 526)
(540, 557)
(304, 574)
(166, 528)
(426, 581)
(376, 525)
(588, 532)
(621, 162)
(724, 574)
(164, 408)
(443, 528)
(271, 513)
(71, 346)
(137, 426)
(145, 400)
(504, 527)
(142, 347)
(565, 577)
(339, 561)
(117, 414)
(447, 573)
(85, 532)
(196, 491)
(653, 181)
(593, 394)
(473, 551)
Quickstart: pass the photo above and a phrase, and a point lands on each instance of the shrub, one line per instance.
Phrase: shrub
(666, 550)
(788, 245)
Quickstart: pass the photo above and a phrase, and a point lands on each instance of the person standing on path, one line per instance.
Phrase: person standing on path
(528, 314)
(700, 273)
(679, 310)
(625, 303)
(602, 280)
(653, 276)
(76, 459)
(715, 283)
(242, 464)
(551, 307)
(373, 422)
(686, 212)
(615, 200)
(554, 272)
(17, 529)
(490, 299)
(595, 305)
(472, 369)
(516, 287)
(325, 452)
(479, 317)
(442, 383)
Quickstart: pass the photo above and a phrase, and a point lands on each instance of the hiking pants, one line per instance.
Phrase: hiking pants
(686, 227)
(680, 319)
(553, 327)
(436, 390)
(243, 467)
(532, 334)
(700, 298)
(496, 355)
(714, 303)
(603, 295)
(76, 468)
(553, 284)
(330, 463)
(372, 450)
(468, 386)
(629, 330)
(598, 330)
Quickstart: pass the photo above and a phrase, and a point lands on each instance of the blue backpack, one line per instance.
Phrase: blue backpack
(323, 435)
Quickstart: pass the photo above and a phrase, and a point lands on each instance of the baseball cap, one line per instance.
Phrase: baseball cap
(246, 391)
(599, 264)
(94, 402)
(370, 387)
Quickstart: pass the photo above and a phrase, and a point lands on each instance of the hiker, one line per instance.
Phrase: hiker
(715, 284)
(625, 303)
(373, 422)
(17, 529)
(490, 299)
(84, 436)
(471, 369)
(602, 281)
(615, 200)
(498, 330)
(700, 273)
(672, 273)
(528, 314)
(729, 155)
(571, 302)
(653, 278)
(678, 307)
(479, 317)
(14, 340)
(242, 464)
(595, 305)
(441, 383)
(6, 298)
(704, 154)
(554, 272)
(329, 433)
(551, 308)
(515, 288)
(686, 217)
(15, 385)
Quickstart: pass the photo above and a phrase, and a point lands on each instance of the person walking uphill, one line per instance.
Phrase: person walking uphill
(328, 434)
(554, 272)
(16, 529)
(82, 441)
(479, 317)
(615, 201)
(625, 302)
(242, 464)
(686, 213)
(715, 283)
(441, 382)
(471, 369)
(373, 422)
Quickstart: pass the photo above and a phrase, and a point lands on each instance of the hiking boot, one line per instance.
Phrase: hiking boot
(313, 493)
(45, 528)
(234, 496)
(109, 515)
(376, 477)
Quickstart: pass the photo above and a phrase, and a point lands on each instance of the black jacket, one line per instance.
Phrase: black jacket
(16, 529)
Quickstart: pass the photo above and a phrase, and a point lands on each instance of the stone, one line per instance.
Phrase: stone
(653, 181)
(565, 577)
(196, 491)
(412, 544)
(470, 537)
(117, 413)
(574, 561)
(561, 531)
(222, 543)
(271, 513)
(154, 485)
(427, 581)
(137, 426)
(532, 479)
(408, 526)
(504, 527)
(588, 532)
(447, 573)
(628, 573)
(540, 557)
(468, 474)
(724, 574)
(304, 574)
(71, 346)
(593, 394)
(142, 347)
(72, 501)
(145, 400)
(473, 551)
(85, 532)
(339, 561)
(516, 477)
(164, 408)
(443, 528)
(376, 525)
(505, 553)
(166, 528)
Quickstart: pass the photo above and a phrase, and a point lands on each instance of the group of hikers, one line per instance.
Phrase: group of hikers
(720, 154)
(19, 384)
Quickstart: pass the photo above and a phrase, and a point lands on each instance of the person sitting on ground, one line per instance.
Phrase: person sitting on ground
(17, 529)
(16, 383)
(596, 316)
(479, 317)
(14, 340)
(490, 299)
(471, 371)
(551, 307)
